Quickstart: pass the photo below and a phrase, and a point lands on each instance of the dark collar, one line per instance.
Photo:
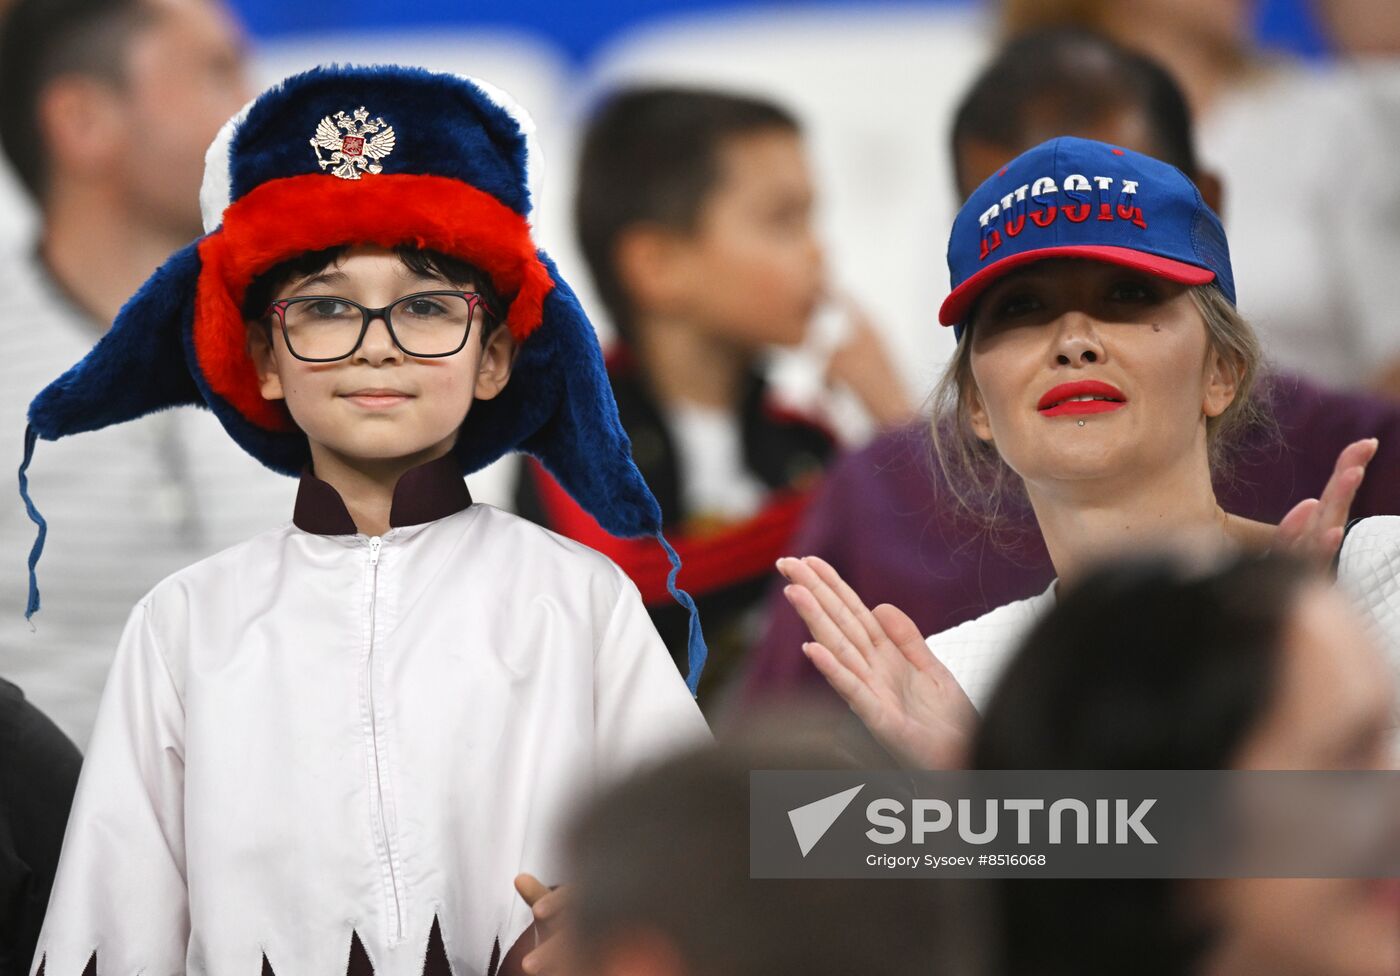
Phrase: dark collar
(423, 494)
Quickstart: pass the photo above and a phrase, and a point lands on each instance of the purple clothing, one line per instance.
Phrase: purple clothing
(879, 521)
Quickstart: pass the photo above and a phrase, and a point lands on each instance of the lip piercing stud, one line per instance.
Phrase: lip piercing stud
(1081, 423)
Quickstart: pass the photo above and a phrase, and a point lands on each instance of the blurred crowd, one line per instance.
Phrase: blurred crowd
(757, 205)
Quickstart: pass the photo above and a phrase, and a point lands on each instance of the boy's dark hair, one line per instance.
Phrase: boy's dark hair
(43, 40)
(420, 261)
(1139, 666)
(666, 854)
(650, 155)
(1077, 77)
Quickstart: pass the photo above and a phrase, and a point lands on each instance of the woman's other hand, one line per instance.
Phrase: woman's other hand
(1314, 527)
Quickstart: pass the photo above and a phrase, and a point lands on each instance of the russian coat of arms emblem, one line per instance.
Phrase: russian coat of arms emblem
(355, 142)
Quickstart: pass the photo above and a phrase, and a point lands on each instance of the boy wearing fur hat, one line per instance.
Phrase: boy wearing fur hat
(333, 747)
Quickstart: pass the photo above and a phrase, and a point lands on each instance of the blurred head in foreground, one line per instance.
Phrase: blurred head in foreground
(663, 888)
(1256, 664)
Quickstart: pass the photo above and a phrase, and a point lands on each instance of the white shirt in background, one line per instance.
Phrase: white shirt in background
(1312, 210)
(979, 651)
(710, 454)
(126, 506)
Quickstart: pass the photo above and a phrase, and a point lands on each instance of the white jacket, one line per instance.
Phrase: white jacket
(313, 734)
(1368, 569)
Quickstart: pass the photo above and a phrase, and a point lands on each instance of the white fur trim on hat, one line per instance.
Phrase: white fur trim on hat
(215, 189)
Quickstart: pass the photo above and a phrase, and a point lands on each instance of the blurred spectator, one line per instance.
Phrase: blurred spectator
(1312, 270)
(694, 213)
(1257, 664)
(882, 516)
(1361, 28)
(109, 106)
(38, 773)
(663, 889)
(1205, 44)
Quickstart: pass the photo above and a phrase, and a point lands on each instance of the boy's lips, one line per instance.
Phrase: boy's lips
(377, 398)
(1081, 397)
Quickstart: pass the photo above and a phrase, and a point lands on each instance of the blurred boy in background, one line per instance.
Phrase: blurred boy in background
(694, 212)
(882, 517)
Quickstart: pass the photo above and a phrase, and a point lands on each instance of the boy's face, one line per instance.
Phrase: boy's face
(379, 404)
(751, 272)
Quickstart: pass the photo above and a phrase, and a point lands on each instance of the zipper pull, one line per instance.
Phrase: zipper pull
(374, 543)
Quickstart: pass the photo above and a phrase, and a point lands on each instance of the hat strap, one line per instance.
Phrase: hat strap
(30, 437)
(696, 651)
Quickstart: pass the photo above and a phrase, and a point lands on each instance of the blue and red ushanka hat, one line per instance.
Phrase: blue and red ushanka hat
(1077, 198)
(366, 155)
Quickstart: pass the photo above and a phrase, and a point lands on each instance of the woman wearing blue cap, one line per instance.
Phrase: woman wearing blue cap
(1102, 364)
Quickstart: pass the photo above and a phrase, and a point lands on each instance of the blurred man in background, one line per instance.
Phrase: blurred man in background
(884, 518)
(108, 108)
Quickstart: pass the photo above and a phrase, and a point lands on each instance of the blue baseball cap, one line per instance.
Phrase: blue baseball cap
(1077, 198)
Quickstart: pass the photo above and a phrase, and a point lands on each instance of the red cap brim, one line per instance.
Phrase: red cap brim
(956, 306)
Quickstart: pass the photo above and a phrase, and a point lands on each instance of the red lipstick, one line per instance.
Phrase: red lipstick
(1060, 401)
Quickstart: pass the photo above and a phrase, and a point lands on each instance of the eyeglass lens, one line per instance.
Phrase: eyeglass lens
(424, 325)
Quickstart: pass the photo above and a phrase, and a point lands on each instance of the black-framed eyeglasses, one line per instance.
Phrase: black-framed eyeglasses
(424, 325)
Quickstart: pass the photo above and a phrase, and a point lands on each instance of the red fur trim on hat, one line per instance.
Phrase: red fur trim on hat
(287, 217)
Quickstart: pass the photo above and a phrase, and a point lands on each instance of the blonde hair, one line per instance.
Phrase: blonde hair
(984, 486)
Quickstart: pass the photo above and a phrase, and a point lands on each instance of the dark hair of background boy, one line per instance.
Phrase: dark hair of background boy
(664, 859)
(1049, 82)
(43, 40)
(651, 155)
(1139, 666)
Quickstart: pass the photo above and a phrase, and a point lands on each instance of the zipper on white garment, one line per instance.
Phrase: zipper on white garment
(375, 544)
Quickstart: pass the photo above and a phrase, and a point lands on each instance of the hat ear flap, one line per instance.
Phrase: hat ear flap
(138, 367)
(559, 407)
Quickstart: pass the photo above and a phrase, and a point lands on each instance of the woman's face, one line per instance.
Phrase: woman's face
(1332, 709)
(1087, 371)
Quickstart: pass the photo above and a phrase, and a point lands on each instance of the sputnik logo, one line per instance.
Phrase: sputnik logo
(811, 821)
